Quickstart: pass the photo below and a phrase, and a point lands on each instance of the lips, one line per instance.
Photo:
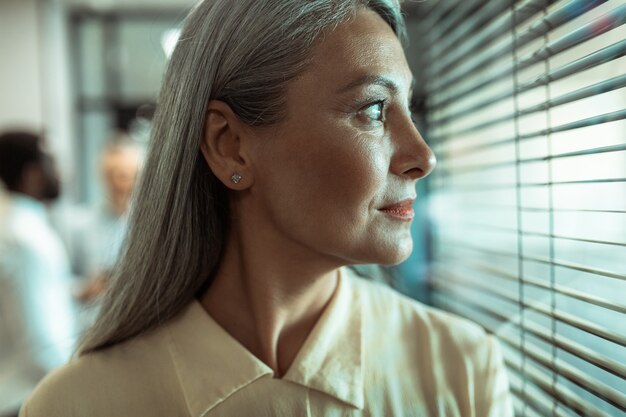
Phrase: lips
(402, 210)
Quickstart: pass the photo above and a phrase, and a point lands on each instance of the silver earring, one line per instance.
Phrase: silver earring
(236, 178)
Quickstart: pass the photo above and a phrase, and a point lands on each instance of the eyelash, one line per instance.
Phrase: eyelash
(382, 103)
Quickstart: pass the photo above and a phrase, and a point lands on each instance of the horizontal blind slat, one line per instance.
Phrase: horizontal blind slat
(435, 15)
(589, 91)
(559, 289)
(541, 405)
(591, 60)
(574, 348)
(464, 169)
(500, 26)
(573, 210)
(478, 187)
(562, 394)
(590, 121)
(457, 13)
(601, 25)
(602, 391)
(469, 150)
(578, 267)
(543, 260)
(564, 317)
(547, 24)
(488, 206)
(511, 146)
(456, 40)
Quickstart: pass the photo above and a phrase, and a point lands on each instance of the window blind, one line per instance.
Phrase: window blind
(526, 112)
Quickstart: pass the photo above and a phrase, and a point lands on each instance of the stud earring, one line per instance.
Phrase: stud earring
(235, 178)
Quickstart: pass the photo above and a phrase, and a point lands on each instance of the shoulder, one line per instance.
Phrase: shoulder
(129, 379)
(452, 354)
(385, 309)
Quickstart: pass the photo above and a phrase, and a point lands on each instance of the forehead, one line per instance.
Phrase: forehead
(365, 45)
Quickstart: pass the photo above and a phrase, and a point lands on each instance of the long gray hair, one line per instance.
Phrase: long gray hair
(244, 53)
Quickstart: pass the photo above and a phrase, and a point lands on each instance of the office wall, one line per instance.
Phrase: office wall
(21, 100)
(35, 86)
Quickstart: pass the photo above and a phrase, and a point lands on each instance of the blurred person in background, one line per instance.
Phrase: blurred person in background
(97, 237)
(36, 316)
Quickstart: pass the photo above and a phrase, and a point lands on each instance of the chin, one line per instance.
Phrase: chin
(396, 259)
(389, 255)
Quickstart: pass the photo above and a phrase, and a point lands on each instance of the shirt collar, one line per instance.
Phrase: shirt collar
(330, 360)
(210, 363)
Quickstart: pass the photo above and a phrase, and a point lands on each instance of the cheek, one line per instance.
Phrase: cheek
(356, 176)
(346, 194)
(338, 177)
(322, 190)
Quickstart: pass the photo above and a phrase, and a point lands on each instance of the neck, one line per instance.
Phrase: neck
(118, 205)
(269, 307)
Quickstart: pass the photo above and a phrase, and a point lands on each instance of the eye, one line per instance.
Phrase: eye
(374, 111)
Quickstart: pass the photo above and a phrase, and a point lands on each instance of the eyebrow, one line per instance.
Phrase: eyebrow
(380, 80)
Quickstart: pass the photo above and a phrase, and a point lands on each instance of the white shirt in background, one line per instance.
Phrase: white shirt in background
(37, 330)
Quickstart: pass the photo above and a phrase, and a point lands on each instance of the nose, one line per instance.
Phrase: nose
(413, 158)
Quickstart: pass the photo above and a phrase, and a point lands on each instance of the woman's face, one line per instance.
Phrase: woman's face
(328, 176)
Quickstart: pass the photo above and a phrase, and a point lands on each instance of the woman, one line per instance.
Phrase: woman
(283, 150)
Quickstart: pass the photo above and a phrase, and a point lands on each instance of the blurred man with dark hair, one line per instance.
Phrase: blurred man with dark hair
(26, 168)
(36, 314)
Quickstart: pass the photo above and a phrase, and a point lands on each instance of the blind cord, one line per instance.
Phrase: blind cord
(549, 153)
(518, 191)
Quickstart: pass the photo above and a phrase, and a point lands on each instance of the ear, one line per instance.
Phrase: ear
(222, 148)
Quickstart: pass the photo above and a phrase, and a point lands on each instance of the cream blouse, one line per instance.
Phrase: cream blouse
(373, 352)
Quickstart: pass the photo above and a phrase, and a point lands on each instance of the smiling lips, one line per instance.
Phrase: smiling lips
(402, 210)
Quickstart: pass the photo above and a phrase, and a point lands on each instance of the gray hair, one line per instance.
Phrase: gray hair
(244, 53)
